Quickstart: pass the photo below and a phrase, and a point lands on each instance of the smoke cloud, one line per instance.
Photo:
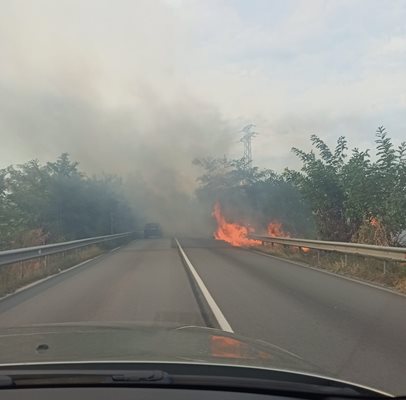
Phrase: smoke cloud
(104, 85)
(140, 88)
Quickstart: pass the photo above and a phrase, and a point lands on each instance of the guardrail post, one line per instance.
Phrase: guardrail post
(384, 267)
(318, 257)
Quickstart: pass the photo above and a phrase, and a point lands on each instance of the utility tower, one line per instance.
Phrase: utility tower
(248, 134)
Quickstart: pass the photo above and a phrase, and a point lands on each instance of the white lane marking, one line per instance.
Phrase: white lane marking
(221, 319)
(324, 271)
(21, 289)
(116, 248)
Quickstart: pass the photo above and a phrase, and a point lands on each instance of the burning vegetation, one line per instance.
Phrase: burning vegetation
(275, 230)
(233, 233)
(237, 234)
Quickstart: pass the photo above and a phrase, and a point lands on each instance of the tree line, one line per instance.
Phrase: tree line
(334, 196)
(337, 194)
(55, 201)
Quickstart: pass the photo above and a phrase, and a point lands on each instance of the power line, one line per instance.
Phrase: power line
(246, 140)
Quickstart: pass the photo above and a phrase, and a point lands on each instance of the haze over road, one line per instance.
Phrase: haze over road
(349, 330)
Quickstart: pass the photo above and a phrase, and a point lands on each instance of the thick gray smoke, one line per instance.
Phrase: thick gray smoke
(153, 150)
(99, 83)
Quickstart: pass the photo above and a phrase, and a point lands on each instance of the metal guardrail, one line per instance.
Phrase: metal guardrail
(28, 253)
(367, 250)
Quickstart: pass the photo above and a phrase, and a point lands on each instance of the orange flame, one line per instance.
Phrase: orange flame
(374, 222)
(275, 230)
(235, 234)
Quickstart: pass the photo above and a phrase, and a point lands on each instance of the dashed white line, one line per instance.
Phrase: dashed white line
(221, 319)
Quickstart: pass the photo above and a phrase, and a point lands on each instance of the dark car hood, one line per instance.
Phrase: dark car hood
(134, 342)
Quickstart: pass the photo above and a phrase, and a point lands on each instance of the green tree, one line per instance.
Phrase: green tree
(58, 202)
(253, 196)
(344, 195)
(389, 194)
(319, 182)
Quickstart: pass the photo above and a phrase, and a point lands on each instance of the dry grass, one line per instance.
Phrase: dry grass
(390, 274)
(14, 276)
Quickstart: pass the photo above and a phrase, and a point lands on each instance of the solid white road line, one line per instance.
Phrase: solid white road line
(221, 319)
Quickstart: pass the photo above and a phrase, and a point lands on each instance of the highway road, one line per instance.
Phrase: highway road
(349, 330)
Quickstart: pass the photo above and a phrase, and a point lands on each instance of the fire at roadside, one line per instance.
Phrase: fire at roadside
(233, 233)
(237, 234)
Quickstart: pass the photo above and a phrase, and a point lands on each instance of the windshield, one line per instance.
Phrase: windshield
(218, 182)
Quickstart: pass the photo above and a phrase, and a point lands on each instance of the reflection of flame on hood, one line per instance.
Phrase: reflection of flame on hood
(227, 347)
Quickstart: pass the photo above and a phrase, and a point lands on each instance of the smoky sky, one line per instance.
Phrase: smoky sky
(151, 145)
(100, 82)
(141, 88)
(120, 72)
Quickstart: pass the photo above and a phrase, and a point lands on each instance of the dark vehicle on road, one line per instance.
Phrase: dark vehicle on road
(152, 230)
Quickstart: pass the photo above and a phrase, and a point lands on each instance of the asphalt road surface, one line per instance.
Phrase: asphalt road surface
(349, 330)
(145, 282)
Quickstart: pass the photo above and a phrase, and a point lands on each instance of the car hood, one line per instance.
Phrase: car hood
(140, 343)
